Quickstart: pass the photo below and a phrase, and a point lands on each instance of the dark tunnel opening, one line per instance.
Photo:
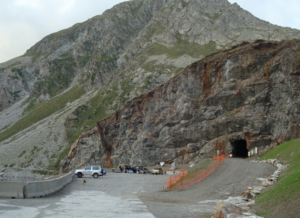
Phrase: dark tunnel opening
(239, 148)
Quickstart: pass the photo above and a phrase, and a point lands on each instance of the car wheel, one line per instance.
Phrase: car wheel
(79, 175)
(155, 173)
(95, 175)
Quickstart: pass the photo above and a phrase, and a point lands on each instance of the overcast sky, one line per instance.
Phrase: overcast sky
(25, 22)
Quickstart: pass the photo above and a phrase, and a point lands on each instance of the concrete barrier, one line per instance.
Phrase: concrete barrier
(43, 188)
(35, 189)
(11, 189)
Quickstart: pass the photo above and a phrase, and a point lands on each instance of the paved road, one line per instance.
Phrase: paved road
(132, 195)
(231, 178)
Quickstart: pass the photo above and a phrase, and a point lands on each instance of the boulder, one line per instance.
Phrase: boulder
(224, 208)
(248, 195)
(240, 201)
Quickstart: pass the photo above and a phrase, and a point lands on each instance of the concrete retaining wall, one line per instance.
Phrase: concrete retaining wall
(11, 189)
(33, 189)
(43, 188)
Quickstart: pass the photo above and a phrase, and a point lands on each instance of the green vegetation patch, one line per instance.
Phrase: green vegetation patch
(182, 47)
(5, 127)
(31, 104)
(136, 9)
(34, 56)
(87, 116)
(62, 155)
(83, 60)
(23, 152)
(41, 172)
(43, 111)
(283, 198)
(184, 3)
(62, 71)
(154, 30)
(19, 71)
(104, 63)
(126, 89)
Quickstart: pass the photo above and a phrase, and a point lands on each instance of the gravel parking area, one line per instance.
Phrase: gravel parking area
(134, 195)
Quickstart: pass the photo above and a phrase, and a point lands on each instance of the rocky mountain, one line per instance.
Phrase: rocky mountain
(247, 94)
(73, 78)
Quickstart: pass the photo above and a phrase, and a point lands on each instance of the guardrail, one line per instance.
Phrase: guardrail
(33, 189)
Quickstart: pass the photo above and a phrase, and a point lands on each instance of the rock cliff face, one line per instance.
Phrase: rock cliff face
(248, 93)
(80, 75)
(161, 36)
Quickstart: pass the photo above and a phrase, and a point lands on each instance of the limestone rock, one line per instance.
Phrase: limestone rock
(192, 165)
(194, 29)
(173, 167)
(138, 46)
(248, 195)
(203, 109)
(223, 209)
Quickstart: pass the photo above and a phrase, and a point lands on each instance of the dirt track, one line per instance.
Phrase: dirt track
(132, 195)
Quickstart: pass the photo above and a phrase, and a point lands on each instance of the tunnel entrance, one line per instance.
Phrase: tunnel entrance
(239, 148)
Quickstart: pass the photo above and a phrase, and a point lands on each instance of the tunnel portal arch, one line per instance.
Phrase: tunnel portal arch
(239, 148)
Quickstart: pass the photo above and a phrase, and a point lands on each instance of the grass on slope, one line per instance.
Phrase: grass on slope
(182, 47)
(88, 118)
(283, 198)
(53, 105)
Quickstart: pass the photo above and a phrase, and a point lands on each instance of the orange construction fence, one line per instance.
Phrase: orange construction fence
(220, 157)
(184, 180)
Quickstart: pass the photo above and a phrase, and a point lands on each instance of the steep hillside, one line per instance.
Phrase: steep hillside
(107, 60)
(283, 199)
(147, 38)
(232, 101)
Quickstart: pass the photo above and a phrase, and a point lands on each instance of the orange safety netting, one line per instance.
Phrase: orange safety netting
(184, 180)
(220, 157)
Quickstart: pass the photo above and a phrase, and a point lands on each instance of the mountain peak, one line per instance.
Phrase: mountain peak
(94, 67)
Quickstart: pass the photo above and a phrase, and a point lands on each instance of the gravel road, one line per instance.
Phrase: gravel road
(133, 195)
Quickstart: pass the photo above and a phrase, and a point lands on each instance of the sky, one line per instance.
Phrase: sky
(25, 22)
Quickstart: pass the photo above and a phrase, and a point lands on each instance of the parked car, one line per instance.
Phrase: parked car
(157, 171)
(146, 171)
(93, 171)
(133, 169)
